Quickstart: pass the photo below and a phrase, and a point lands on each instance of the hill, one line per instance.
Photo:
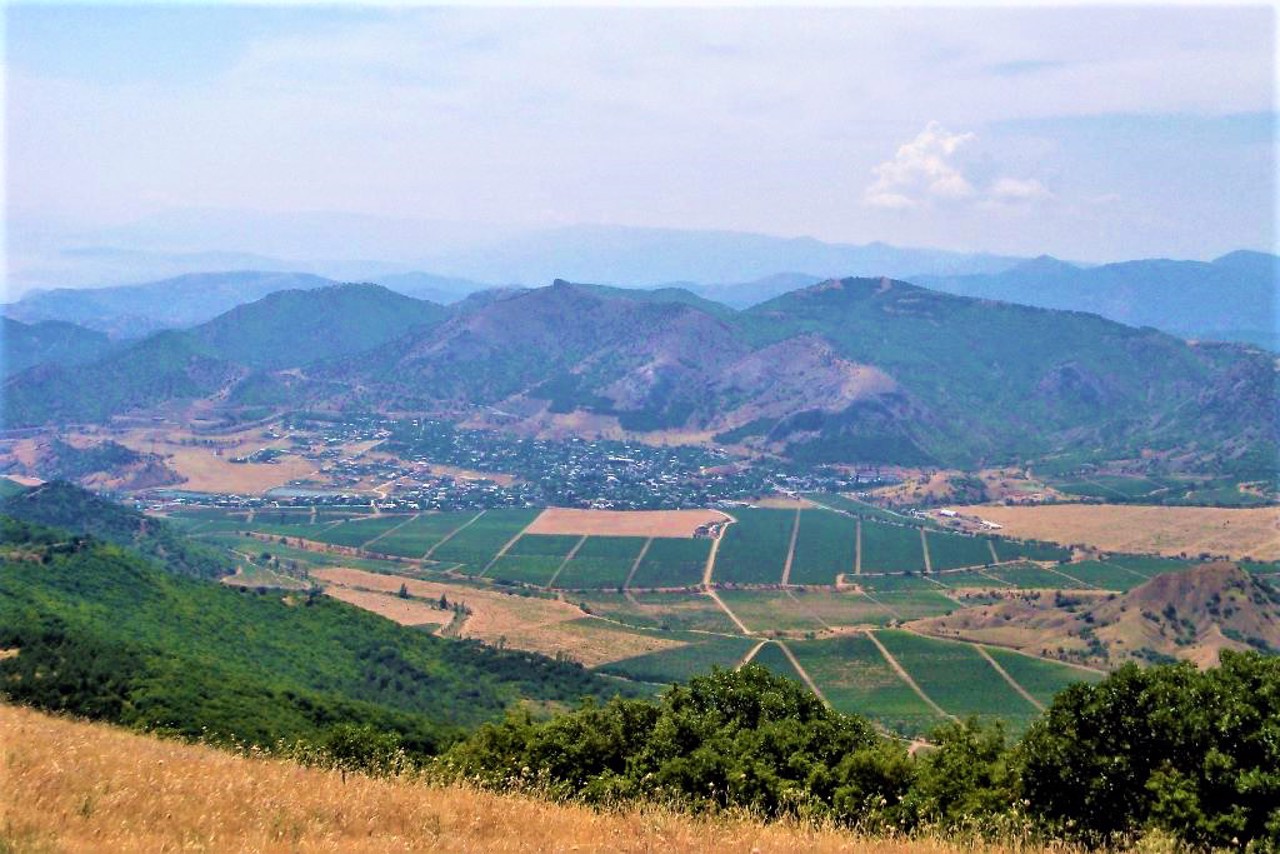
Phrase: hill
(1190, 615)
(1233, 298)
(132, 311)
(66, 507)
(282, 330)
(170, 365)
(117, 637)
(292, 328)
(852, 370)
(25, 345)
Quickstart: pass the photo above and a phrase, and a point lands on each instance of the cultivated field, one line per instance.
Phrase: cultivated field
(1237, 533)
(623, 523)
(126, 792)
(548, 626)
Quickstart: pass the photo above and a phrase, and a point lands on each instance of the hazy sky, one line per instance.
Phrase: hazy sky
(1089, 133)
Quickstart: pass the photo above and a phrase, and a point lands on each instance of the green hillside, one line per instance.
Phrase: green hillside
(106, 634)
(291, 328)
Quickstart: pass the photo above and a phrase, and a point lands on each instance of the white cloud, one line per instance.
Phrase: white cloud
(1019, 190)
(924, 173)
(921, 172)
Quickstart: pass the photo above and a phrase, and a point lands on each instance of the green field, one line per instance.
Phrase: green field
(825, 548)
(773, 658)
(842, 608)
(1031, 577)
(667, 611)
(971, 578)
(956, 677)
(356, 532)
(951, 551)
(601, 562)
(754, 549)
(1104, 575)
(891, 548)
(1121, 488)
(534, 558)
(673, 563)
(863, 509)
(900, 581)
(1039, 678)
(914, 604)
(854, 676)
(413, 539)
(678, 665)
(766, 610)
(1007, 549)
(475, 545)
(1151, 566)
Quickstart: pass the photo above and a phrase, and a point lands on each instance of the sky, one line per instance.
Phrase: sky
(1086, 132)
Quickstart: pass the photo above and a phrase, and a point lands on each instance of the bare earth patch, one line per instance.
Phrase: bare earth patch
(1237, 533)
(623, 523)
(406, 612)
(548, 626)
(783, 502)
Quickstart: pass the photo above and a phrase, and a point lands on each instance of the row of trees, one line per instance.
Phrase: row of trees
(1169, 748)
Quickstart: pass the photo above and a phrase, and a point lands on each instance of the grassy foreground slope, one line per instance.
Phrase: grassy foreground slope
(127, 792)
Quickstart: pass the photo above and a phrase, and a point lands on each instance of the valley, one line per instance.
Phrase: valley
(881, 614)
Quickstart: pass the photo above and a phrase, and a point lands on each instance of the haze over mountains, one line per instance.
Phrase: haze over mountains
(849, 370)
(1231, 298)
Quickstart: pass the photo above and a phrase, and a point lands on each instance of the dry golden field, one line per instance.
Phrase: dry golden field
(406, 612)
(549, 626)
(1236, 533)
(78, 787)
(622, 523)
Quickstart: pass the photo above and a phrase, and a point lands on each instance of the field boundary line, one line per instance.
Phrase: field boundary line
(751, 653)
(1005, 674)
(905, 676)
(715, 549)
(1013, 649)
(995, 558)
(807, 609)
(857, 548)
(368, 543)
(924, 547)
(559, 569)
(502, 551)
(706, 579)
(892, 611)
(710, 591)
(791, 550)
(1130, 571)
(804, 674)
(1086, 584)
(449, 536)
(635, 564)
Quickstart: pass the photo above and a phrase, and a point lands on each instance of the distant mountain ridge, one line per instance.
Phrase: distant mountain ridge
(1234, 298)
(132, 311)
(849, 370)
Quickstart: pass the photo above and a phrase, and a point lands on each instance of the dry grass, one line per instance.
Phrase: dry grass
(71, 786)
(783, 502)
(406, 612)
(622, 523)
(549, 626)
(1252, 532)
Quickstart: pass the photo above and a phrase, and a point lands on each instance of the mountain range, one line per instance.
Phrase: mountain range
(1233, 298)
(847, 370)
